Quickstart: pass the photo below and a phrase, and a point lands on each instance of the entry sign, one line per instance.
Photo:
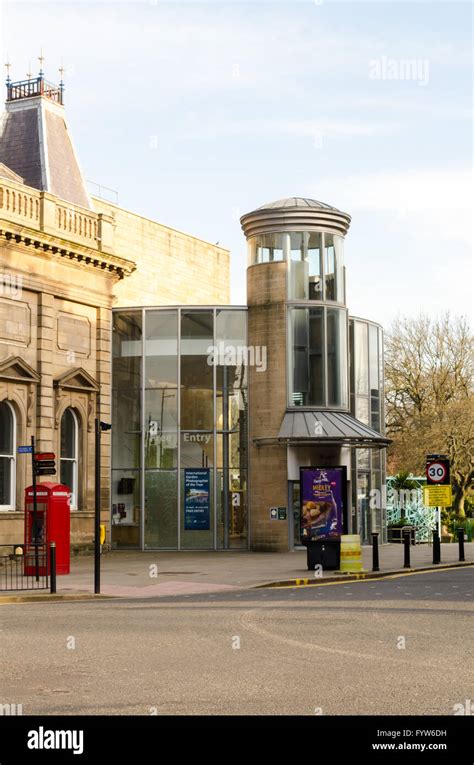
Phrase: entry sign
(437, 471)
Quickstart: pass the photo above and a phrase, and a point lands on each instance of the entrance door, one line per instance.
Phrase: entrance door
(294, 509)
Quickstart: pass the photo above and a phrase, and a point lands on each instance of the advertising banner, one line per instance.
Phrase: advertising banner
(197, 510)
(323, 497)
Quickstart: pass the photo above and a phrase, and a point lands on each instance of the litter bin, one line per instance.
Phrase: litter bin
(324, 552)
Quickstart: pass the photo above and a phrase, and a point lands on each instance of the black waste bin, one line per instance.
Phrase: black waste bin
(324, 552)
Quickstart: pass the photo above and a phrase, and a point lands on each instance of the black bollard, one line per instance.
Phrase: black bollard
(52, 567)
(461, 544)
(406, 545)
(375, 551)
(436, 547)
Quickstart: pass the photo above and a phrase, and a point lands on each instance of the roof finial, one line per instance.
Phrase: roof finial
(8, 67)
(41, 60)
(61, 84)
(29, 74)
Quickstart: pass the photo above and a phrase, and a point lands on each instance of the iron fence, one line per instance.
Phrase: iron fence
(18, 568)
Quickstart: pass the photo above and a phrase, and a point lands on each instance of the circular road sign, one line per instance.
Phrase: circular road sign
(437, 472)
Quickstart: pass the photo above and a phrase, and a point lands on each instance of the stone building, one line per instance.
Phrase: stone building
(66, 259)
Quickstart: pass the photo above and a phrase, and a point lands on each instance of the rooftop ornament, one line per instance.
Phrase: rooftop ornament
(35, 86)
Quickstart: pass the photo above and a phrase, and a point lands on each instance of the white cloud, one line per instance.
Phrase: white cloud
(409, 247)
(302, 128)
(436, 203)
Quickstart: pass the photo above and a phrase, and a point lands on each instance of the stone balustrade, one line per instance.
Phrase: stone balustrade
(47, 213)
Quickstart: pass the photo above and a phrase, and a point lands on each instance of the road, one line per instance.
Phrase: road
(330, 649)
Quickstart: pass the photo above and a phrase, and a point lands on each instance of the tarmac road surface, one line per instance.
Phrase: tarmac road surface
(397, 646)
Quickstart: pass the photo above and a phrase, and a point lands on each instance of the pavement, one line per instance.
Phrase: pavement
(160, 574)
(368, 647)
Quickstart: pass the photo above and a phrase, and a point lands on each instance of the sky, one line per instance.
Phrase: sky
(196, 113)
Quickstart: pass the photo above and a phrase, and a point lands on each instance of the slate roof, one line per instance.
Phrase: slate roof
(64, 172)
(19, 146)
(35, 143)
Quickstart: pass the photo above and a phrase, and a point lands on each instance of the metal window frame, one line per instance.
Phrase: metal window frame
(290, 307)
(143, 311)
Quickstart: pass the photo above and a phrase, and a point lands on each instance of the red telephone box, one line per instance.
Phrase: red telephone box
(52, 525)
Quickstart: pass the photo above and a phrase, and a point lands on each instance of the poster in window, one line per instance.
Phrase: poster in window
(196, 499)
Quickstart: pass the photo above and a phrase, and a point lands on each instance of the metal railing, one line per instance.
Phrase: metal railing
(35, 86)
(15, 560)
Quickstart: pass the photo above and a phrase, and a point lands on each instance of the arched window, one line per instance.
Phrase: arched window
(69, 454)
(7, 456)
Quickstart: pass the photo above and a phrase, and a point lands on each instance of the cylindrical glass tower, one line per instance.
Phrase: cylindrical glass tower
(297, 312)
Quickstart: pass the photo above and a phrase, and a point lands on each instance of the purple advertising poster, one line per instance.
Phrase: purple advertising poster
(322, 502)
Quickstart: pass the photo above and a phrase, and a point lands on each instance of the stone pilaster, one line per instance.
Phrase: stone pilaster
(45, 398)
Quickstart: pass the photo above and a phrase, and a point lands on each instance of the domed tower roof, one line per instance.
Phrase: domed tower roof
(295, 214)
(296, 202)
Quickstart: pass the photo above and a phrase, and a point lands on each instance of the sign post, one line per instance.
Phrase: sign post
(438, 484)
(99, 428)
(35, 527)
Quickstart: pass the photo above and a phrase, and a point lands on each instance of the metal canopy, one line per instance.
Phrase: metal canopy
(312, 427)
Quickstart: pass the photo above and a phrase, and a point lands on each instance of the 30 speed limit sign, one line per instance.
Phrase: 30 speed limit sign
(437, 471)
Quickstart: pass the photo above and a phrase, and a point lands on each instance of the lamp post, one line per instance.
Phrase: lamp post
(99, 427)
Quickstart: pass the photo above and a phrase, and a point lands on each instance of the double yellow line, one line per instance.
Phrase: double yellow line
(363, 578)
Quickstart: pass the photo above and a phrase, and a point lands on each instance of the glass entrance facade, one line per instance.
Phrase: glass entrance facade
(179, 443)
(367, 405)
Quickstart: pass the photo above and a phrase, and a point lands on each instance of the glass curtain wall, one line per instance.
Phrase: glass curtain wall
(267, 248)
(160, 424)
(317, 334)
(180, 428)
(318, 357)
(316, 262)
(231, 429)
(368, 471)
(197, 430)
(126, 429)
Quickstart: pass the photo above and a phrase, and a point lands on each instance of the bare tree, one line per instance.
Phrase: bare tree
(429, 396)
